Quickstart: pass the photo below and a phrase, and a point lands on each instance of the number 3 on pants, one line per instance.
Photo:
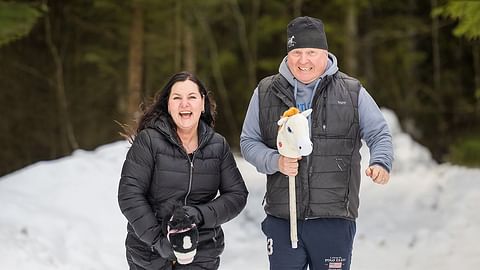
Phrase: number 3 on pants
(270, 246)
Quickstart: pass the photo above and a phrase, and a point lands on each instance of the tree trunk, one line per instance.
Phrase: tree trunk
(409, 105)
(297, 8)
(254, 33)
(63, 108)
(476, 70)
(351, 39)
(135, 64)
(217, 73)
(410, 78)
(367, 48)
(435, 50)
(190, 60)
(243, 39)
(177, 56)
(437, 66)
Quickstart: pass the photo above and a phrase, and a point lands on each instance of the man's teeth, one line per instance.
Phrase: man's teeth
(185, 113)
(304, 69)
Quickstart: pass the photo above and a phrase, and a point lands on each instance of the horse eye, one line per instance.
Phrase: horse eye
(289, 130)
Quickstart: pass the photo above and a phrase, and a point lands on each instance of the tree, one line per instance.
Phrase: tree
(247, 41)
(214, 52)
(351, 30)
(467, 13)
(17, 19)
(63, 107)
(135, 63)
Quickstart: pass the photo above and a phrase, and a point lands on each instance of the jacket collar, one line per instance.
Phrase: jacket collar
(165, 126)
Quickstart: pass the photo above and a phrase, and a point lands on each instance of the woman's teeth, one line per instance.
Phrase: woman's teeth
(185, 113)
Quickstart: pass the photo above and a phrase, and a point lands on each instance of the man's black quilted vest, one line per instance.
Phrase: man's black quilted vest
(327, 184)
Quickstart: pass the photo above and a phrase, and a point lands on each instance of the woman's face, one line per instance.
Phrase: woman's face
(185, 105)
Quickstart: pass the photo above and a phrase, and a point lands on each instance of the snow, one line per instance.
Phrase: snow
(63, 214)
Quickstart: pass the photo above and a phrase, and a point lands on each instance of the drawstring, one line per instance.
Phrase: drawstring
(295, 90)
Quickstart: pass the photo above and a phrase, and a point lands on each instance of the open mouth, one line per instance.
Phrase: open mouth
(185, 114)
(305, 68)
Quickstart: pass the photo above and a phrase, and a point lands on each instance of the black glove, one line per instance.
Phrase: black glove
(194, 214)
(184, 242)
(164, 248)
(182, 232)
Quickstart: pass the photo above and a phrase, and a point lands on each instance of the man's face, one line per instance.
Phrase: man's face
(307, 64)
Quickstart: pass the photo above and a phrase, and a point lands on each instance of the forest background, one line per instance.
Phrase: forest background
(70, 71)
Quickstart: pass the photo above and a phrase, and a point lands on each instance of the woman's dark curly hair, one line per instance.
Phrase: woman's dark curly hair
(159, 106)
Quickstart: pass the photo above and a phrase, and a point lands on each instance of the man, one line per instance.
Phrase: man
(328, 180)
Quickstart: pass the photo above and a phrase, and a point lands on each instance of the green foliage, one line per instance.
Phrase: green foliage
(395, 63)
(466, 152)
(16, 20)
(468, 15)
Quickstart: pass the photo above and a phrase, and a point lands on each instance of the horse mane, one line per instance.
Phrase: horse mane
(290, 112)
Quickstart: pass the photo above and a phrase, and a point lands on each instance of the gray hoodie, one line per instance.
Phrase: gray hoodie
(373, 127)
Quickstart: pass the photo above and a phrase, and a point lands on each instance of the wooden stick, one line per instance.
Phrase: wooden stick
(293, 211)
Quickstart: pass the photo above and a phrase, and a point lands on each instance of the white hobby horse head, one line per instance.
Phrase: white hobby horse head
(293, 139)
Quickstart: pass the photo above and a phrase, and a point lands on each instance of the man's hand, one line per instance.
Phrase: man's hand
(288, 166)
(378, 174)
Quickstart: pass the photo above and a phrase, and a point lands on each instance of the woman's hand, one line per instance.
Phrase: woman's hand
(194, 214)
(164, 248)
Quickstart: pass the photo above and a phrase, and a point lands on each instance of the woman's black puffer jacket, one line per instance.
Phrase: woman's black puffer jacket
(157, 170)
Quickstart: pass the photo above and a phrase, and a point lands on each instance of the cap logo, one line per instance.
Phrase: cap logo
(291, 42)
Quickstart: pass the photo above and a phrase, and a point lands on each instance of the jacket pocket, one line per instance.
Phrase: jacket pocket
(330, 179)
(140, 253)
(212, 240)
(277, 189)
(143, 255)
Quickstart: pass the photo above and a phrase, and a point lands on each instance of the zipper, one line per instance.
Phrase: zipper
(285, 97)
(324, 111)
(202, 140)
(190, 179)
(306, 190)
(347, 204)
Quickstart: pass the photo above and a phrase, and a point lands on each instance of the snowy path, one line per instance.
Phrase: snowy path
(63, 214)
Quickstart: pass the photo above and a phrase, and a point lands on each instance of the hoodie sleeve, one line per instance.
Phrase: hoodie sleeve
(253, 149)
(374, 131)
(133, 187)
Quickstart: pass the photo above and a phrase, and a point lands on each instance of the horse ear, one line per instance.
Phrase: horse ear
(282, 121)
(307, 112)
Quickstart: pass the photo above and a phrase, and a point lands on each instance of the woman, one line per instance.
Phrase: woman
(177, 157)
